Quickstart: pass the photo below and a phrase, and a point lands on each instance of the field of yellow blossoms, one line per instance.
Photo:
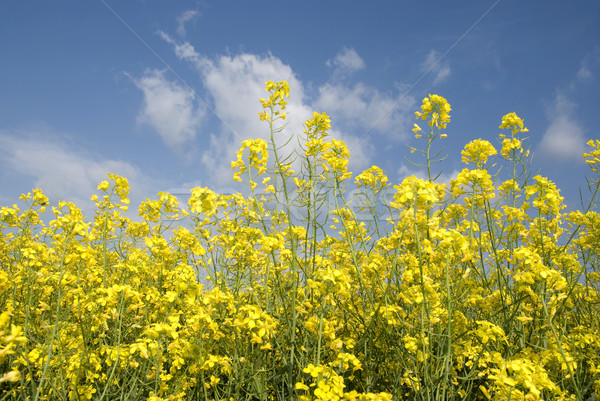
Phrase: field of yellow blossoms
(483, 289)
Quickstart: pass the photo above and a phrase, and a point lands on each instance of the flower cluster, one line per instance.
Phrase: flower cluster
(258, 156)
(436, 108)
(593, 157)
(318, 126)
(478, 152)
(276, 103)
(514, 123)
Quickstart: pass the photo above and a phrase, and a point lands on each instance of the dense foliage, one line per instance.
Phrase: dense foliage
(481, 289)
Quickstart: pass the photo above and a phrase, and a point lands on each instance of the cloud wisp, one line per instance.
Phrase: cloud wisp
(184, 18)
(434, 64)
(346, 62)
(588, 69)
(62, 170)
(564, 139)
(170, 109)
(355, 106)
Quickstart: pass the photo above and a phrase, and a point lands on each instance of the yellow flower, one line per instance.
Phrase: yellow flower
(373, 178)
(301, 386)
(12, 376)
(548, 199)
(478, 178)
(437, 108)
(478, 152)
(335, 158)
(203, 200)
(103, 186)
(510, 144)
(414, 192)
(314, 147)
(416, 130)
(513, 122)
(279, 92)
(318, 126)
(313, 370)
(593, 157)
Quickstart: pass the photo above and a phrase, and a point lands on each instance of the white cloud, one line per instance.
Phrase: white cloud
(185, 51)
(433, 64)
(564, 139)
(237, 83)
(185, 17)
(346, 61)
(170, 109)
(234, 84)
(589, 66)
(584, 73)
(63, 171)
(368, 108)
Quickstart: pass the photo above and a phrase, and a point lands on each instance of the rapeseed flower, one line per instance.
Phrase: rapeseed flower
(514, 123)
(478, 152)
(437, 109)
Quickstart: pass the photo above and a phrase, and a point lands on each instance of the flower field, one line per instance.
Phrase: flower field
(482, 289)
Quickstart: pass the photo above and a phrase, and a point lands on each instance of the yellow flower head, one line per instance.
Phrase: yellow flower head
(335, 158)
(478, 152)
(514, 123)
(39, 199)
(314, 147)
(257, 156)
(593, 157)
(279, 90)
(478, 178)
(373, 178)
(103, 186)
(510, 144)
(436, 108)
(121, 186)
(318, 126)
(414, 192)
(547, 196)
(203, 200)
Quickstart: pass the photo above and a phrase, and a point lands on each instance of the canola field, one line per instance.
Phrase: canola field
(485, 288)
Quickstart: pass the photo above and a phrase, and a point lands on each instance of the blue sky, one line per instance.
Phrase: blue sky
(164, 92)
